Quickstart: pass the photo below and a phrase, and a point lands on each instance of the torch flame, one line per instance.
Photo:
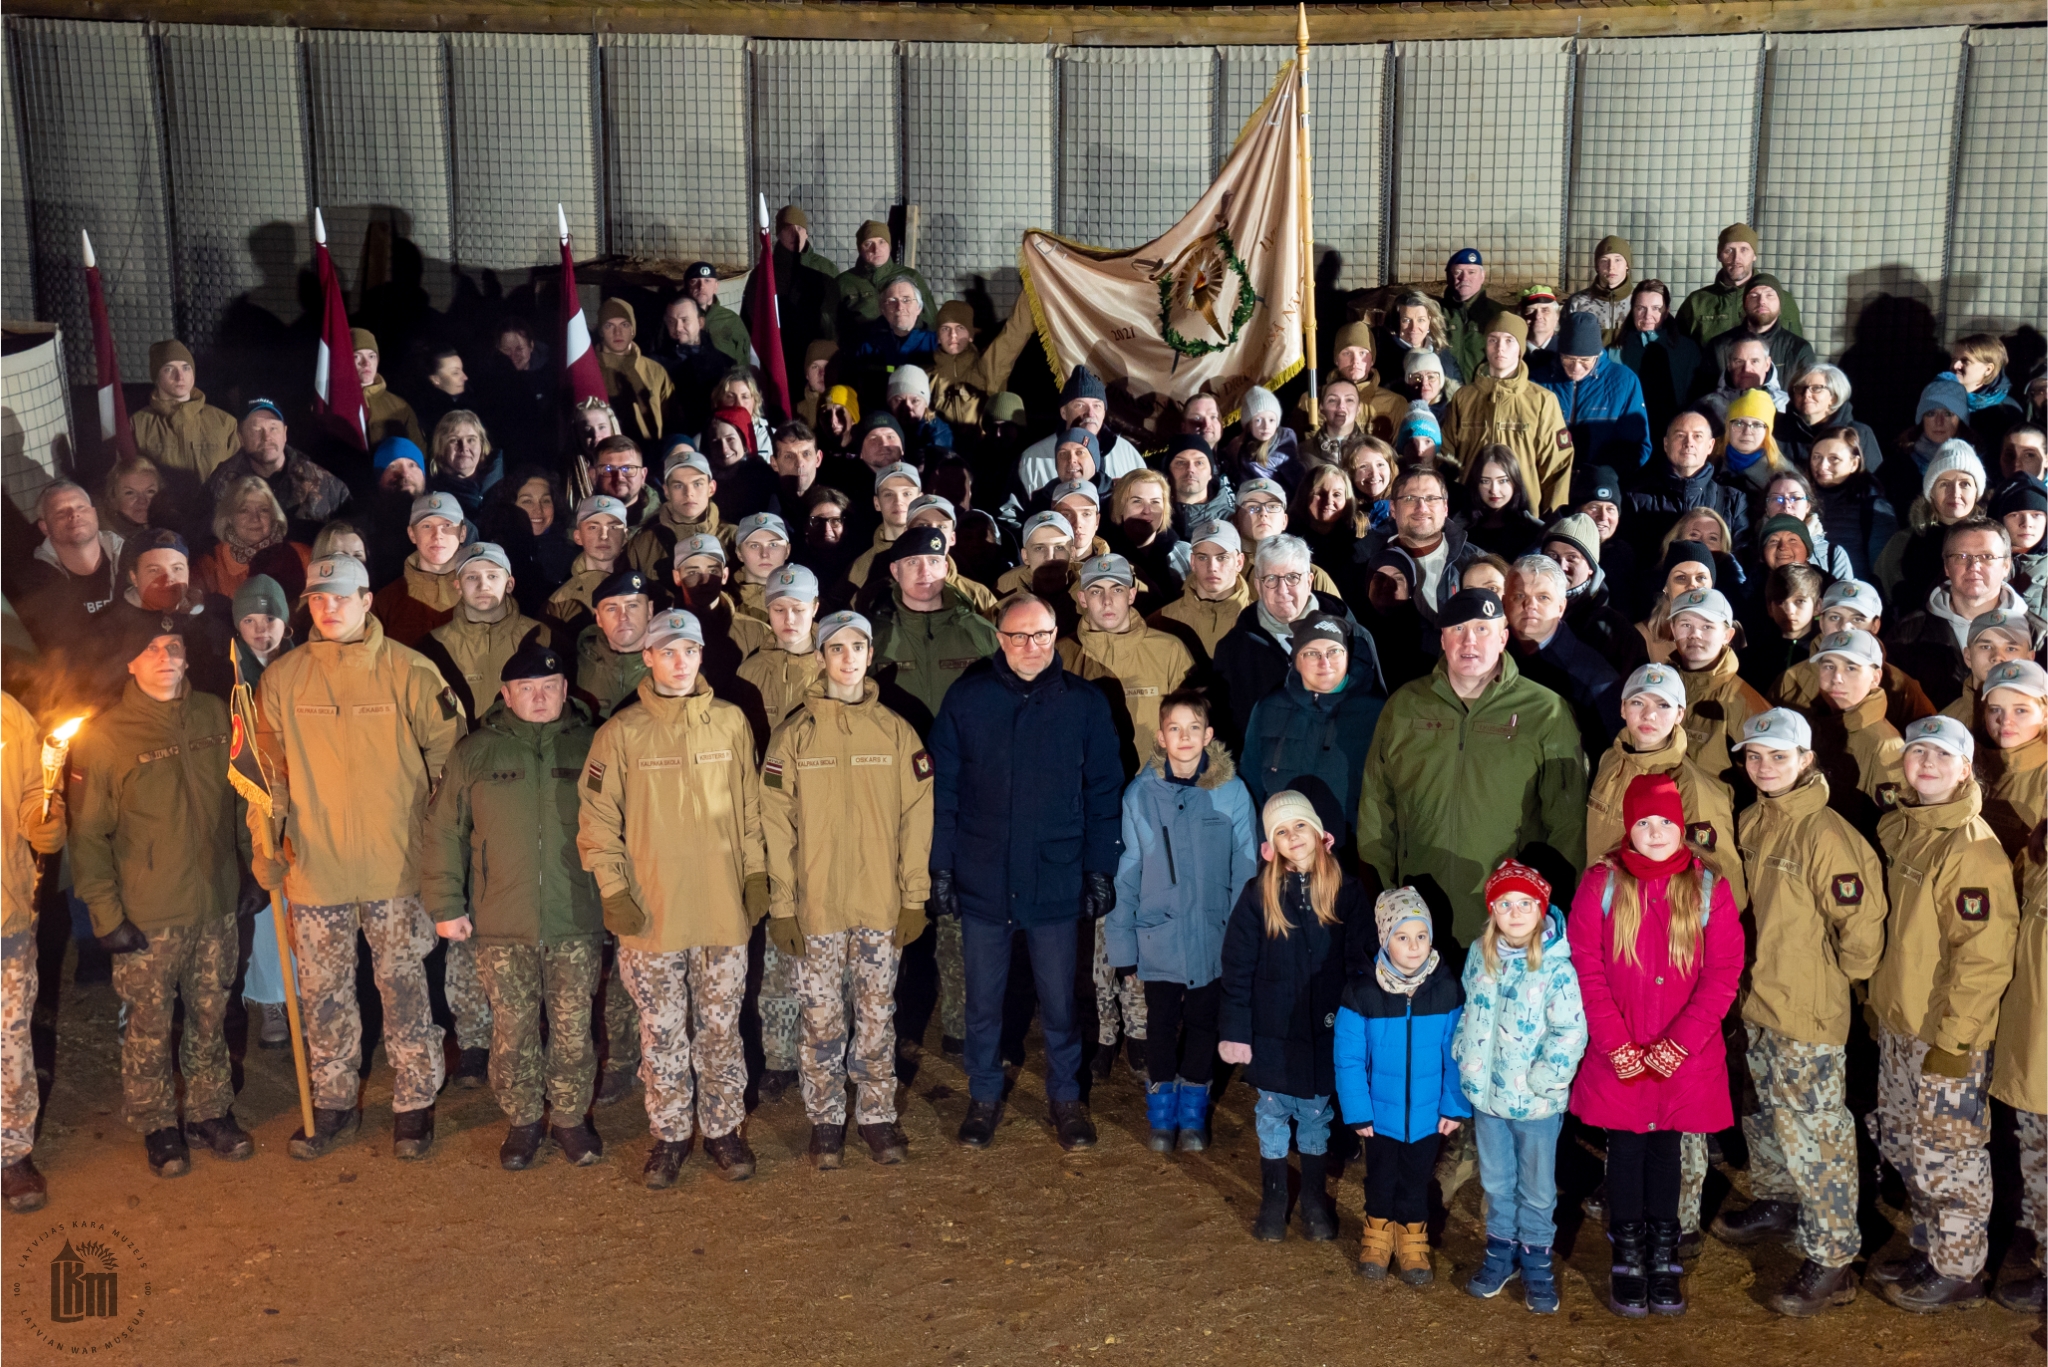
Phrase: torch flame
(63, 734)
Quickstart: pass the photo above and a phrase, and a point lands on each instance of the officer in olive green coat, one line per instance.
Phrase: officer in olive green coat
(530, 910)
(154, 837)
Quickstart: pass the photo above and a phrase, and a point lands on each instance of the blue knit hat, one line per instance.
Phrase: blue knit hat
(1943, 391)
(1419, 422)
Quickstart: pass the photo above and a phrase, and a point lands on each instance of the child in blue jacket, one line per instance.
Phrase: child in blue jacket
(1397, 1083)
(1518, 1047)
(1189, 845)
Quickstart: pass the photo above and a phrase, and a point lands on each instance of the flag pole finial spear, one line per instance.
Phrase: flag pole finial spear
(85, 242)
(1308, 232)
(562, 222)
(319, 227)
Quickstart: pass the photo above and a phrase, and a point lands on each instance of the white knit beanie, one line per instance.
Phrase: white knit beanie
(1288, 805)
(1260, 400)
(1952, 455)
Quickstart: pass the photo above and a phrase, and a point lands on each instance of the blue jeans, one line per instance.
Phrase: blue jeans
(263, 981)
(985, 953)
(1518, 1173)
(1311, 1118)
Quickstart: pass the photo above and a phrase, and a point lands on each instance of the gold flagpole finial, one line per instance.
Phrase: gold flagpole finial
(1301, 29)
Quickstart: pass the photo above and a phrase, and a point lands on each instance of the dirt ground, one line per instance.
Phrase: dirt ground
(1019, 1254)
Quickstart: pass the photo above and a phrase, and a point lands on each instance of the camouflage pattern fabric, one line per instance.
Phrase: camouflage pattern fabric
(1692, 1180)
(519, 981)
(400, 937)
(621, 1023)
(780, 1010)
(1802, 1141)
(467, 1001)
(196, 962)
(691, 1059)
(2032, 1132)
(19, 1100)
(952, 980)
(1935, 1130)
(1115, 1000)
(871, 957)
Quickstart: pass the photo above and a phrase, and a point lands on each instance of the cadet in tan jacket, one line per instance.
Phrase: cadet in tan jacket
(1850, 604)
(356, 730)
(1817, 901)
(30, 831)
(1215, 595)
(1947, 960)
(635, 385)
(389, 415)
(1506, 407)
(2014, 762)
(425, 595)
(846, 784)
(671, 829)
(2019, 1071)
(1653, 741)
(761, 541)
(686, 510)
(1717, 701)
(180, 430)
(600, 529)
(1853, 742)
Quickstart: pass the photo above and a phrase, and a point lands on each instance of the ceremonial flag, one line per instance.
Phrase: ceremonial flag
(113, 404)
(245, 766)
(337, 393)
(765, 327)
(1218, 302)
(581, 377)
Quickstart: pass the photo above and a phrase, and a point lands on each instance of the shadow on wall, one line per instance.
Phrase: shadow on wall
(1895, 348)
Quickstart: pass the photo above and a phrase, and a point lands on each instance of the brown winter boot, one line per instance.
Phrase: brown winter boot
(1376, 1249)
(1411, 1249)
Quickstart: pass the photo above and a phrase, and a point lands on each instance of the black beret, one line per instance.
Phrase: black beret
(1470, 605)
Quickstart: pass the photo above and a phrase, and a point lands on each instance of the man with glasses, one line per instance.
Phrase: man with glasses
(1254, 658)
(1424, 534)
(1976, 567)
(621, 471)
(1025, 837)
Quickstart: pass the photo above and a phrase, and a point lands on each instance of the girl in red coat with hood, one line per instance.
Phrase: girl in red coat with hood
(1658, 946)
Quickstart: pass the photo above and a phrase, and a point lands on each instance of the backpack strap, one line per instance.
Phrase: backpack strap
(1706, 894)
(1607, 895)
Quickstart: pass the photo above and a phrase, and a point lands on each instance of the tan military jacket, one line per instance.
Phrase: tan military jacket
(1209, 620)
(192, 435)
(1717, 703)
(1523, 416)
(1709, 807)
(1146, 664)
(2019, 1064)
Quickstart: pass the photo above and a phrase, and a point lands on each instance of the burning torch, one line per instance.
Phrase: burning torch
(56, 746)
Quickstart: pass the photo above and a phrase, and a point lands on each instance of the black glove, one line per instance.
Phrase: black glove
(1124, 972)
(945, 898)
(1098, 895)
(124, 939)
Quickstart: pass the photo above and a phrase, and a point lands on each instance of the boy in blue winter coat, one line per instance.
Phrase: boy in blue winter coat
(1189, 844)
(1517, 1047)
(1397, 1083)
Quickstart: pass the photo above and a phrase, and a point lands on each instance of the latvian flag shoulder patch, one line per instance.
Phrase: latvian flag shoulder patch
(771, 773)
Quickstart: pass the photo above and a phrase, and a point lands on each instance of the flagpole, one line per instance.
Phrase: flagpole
(1308, 200)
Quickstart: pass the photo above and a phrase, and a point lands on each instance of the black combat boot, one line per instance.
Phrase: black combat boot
(978, 1130)
(1814, 1288)
(168, 1156)
(472, 1070)
(522, 1146)
(330, 1128)
(221, 1137)
(412, 1133)
(730, 1152)
(775, 1084)
(664, 1161)
(828, 1147)
(886, 1144)
(1756, 1222)
(579, 1143)
(616, 1085)
(1071, 1125)
(22, 1186)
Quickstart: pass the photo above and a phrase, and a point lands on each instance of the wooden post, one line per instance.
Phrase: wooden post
(1308, 201)
(911, 217)
(281, 923)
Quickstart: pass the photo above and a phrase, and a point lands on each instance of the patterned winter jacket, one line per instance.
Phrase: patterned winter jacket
(1523, 1032)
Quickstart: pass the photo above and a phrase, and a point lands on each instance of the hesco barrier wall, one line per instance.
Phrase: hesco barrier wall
(1911, 162)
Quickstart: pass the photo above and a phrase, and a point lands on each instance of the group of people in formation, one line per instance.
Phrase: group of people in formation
(1549, 728)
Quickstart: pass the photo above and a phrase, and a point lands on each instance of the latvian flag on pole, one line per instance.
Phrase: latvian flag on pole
(580, 373)
(765, 327)
(337, 393)
(113, 404)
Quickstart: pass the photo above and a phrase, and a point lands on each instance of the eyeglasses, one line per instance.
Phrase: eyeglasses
(1421, 500)
(619, 469)
(1786, 500)
(1960, 560)
(1811, 389)
(1281, 581)
(1748, 425)
(1329, 656)
(1036, 638)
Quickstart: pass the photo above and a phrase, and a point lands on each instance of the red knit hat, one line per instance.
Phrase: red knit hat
(741, 420)
(1651, 795)
(1515, 876)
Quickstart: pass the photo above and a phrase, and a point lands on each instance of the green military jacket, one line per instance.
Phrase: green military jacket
(155, 825)
(923, 652)
(1714, 309)
(860, 299)
(728, 332)
(605, 677)
(499, 843)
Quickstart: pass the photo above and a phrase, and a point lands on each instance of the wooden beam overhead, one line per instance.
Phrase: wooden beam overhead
(1076, 25)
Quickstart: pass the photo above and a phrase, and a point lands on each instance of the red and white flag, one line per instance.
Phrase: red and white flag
(113, 404)
(337, 393)
(581, 376)
(765, 327)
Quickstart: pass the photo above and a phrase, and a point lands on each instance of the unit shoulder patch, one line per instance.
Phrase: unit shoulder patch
(593, 777)
(771, 773)
(921, 764)
(1702, 834)
(1847, 888)
(1973, 904)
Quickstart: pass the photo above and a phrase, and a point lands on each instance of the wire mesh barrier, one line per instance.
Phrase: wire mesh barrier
(826, 135)
(1911, 164)
(379, 105)
(234, 106)
(1668, 187)
(676, 145)
(525, 140)
(978, 135)
(36, 445)
(93, 145)
(1481, 158)
(1859, 130)
(1998, 254)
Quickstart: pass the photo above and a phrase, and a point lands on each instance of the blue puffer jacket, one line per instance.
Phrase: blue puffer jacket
(1605, 412)
(1188, 849)
(1025, 793)
(1523, 1032)
(1393, 1056)
(1302, 740)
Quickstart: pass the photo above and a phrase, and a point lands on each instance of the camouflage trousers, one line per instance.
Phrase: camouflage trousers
(2032, 1131)
(780, 1010)
(1935, 1131)
(952, 979)
(197, 963)
(19, 1099)
(467, 1000)
(1113, 999)
(519, 980)
(400, 937)
(1802, 1142)
(1692, 1180)
(621, 1024)
(691, 1059)
(871, 958)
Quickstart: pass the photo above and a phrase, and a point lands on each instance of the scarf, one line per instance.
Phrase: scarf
(1283, 632)
(1647, 869)
(244, 552)
(1990, 396)
(1399, 983)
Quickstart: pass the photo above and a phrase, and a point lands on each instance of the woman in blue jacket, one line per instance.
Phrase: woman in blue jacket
(1397, 1082)
(1189, 845)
